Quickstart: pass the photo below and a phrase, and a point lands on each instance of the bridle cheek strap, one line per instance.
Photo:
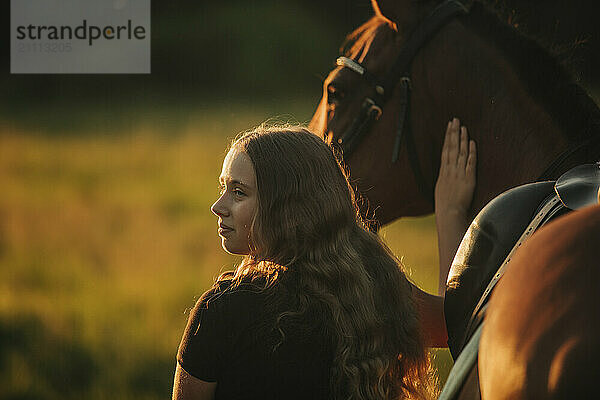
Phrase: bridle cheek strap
(405, 87)
(369, 113)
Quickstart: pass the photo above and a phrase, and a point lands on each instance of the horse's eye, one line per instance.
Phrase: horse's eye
(334, 94)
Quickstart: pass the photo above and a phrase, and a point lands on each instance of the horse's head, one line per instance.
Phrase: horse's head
(387, 180)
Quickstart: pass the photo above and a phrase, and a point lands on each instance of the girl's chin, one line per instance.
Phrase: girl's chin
(235, 250)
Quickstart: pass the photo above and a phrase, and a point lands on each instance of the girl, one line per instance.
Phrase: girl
(318, 307)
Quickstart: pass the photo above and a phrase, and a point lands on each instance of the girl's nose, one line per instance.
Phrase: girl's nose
(219, 208)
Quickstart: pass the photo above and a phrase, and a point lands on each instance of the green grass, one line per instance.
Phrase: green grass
(106, 240)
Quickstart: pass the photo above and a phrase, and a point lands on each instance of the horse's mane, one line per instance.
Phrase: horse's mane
(545, 77)
(358, 42)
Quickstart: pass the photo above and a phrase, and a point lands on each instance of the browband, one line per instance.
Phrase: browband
(350, 63)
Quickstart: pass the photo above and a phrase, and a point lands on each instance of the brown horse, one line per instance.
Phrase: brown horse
(540, 341)
(528, 119)
(539, 302)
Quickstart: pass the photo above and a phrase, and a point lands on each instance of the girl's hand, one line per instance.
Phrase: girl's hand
(453, 195)
(456, 180)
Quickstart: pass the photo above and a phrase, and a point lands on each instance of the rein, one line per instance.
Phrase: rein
(552, 170)
(372, 107)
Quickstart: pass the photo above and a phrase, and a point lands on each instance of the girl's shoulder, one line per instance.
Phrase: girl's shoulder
(230, 293)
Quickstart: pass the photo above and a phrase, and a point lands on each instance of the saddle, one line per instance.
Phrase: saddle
(487, 247)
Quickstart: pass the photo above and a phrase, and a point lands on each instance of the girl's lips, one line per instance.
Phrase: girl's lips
(224, 229)
(225, 232)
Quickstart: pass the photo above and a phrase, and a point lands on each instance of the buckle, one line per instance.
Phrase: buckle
(406, 81)
(372, 107)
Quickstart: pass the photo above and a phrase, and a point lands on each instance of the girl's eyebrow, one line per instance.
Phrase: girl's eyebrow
(238, 182)
(233, 182)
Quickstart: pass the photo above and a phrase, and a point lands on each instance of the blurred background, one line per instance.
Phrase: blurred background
(106, 238)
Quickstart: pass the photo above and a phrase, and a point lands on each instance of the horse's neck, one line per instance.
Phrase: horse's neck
(517, 139)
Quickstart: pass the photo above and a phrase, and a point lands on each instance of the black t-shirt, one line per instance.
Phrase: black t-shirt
(231, 338)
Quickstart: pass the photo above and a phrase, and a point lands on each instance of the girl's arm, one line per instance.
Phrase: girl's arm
(453, 195)
(187, 387)
(430, 309)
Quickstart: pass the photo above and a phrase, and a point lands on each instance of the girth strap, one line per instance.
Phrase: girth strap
(462, 367)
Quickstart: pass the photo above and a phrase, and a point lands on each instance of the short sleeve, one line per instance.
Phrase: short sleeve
(202, 346)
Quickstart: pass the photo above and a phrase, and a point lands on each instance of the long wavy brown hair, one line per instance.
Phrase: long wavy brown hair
(307, 225)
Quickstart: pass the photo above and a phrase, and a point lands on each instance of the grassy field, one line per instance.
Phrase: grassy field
(105, 243)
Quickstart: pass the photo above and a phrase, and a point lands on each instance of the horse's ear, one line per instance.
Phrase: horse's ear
(403, 15)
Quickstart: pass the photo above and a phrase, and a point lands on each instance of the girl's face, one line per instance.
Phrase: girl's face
(237, 205)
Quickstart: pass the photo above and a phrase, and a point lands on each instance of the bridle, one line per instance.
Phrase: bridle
(372, 106)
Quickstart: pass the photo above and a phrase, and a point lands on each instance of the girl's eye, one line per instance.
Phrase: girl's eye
(236, 191)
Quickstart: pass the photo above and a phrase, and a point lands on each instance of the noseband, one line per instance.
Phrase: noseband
(372, 107)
